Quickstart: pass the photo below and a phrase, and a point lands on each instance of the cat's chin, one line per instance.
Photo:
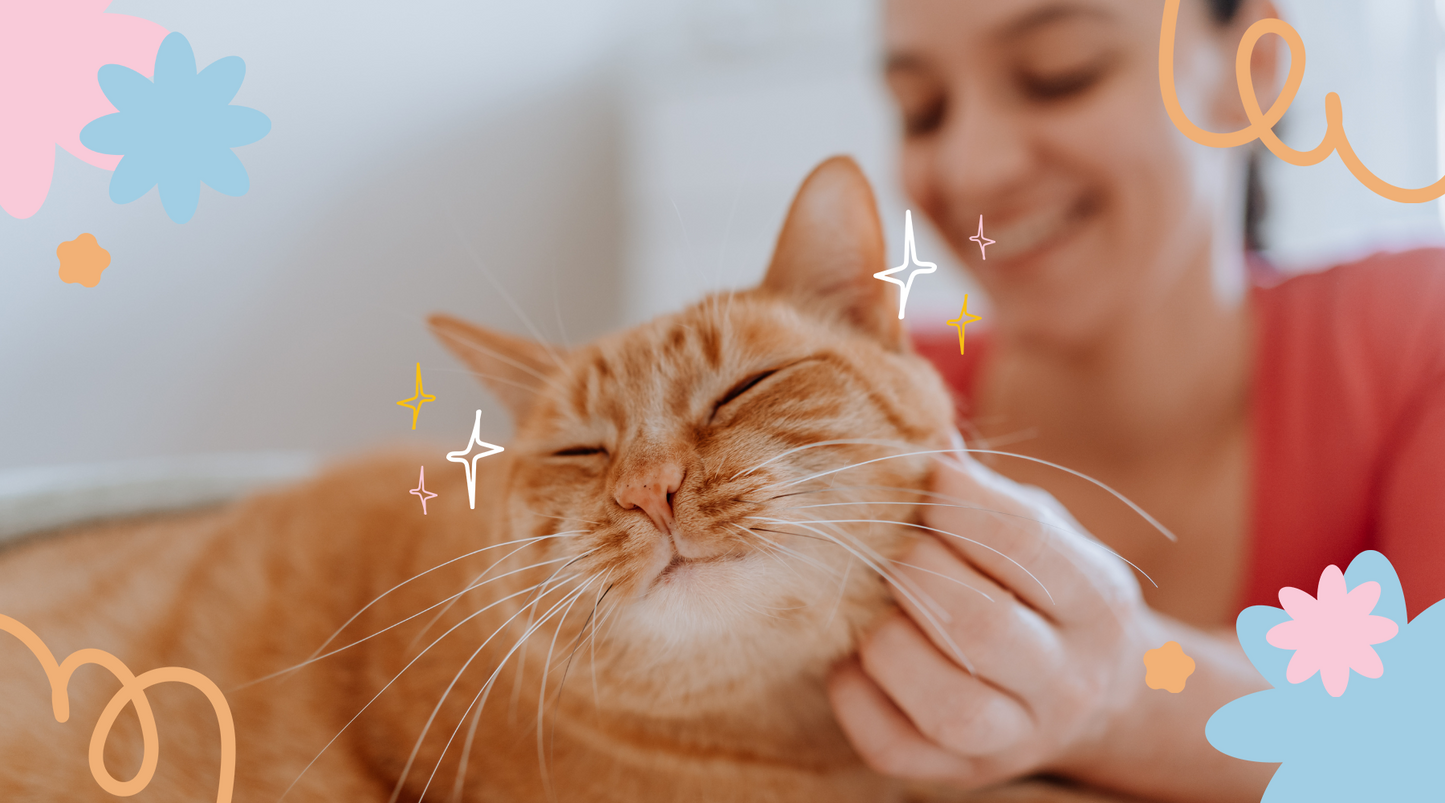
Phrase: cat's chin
(670, 570)
(679, 569)
(683, 583)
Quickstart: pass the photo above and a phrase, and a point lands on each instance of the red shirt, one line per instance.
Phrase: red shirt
(1348, 420)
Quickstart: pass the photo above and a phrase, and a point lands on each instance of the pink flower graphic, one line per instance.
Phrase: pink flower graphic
(50, 52)
(1332, 634)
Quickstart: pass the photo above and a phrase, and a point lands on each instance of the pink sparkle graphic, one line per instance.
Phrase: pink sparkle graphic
(421, 492)
(983, 242)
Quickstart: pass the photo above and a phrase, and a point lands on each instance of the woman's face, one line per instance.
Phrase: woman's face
(1044, 117)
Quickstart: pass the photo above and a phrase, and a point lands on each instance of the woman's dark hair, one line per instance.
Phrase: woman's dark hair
(1223, 12)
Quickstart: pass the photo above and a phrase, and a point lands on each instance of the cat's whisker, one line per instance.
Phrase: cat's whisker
(564, 518)
(486, 690)
(471, 732)
(453, 597)
(944, 576)
(1086, 537)
(602, 590)
(609, 619)
(452, 601)
(394, 680)
(908, 594)
(842, 587)
(1017, 436)
(1023, 568)
(578, 640)
(960, 504)
(836, 538)
(774, 556)
(490, 378)
(836, 442)
(416, 748)
(557, 309)
(592, 642)
(542, 700)
(785, 550)
(934, 452)
(842, 533)
(792, 535)
(503, 292)
(500, 357)
(522, 662)
(523, 541)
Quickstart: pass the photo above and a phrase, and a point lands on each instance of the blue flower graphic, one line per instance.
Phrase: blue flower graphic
(1382, 739)
(176, 131)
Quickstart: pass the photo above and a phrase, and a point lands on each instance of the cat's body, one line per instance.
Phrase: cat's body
(213, 592)
(693, 523)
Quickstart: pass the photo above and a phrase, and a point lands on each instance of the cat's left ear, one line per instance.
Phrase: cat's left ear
(511, 367)
(830, 247)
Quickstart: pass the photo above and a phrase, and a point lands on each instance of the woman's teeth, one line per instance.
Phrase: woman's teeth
(1030, 232)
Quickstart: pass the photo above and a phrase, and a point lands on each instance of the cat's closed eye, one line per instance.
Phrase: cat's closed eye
(580, 451)
(741, 388)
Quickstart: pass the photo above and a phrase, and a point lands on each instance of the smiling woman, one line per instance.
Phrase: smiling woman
(1277, 426)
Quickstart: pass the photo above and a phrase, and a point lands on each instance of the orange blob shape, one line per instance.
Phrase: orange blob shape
(82, 260)
(1167, 668)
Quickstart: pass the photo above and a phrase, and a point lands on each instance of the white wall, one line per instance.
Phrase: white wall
(731, 103)
(291, 317)
(1380, 56)
(605, 159)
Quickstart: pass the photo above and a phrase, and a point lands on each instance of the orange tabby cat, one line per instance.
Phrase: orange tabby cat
(642, 607)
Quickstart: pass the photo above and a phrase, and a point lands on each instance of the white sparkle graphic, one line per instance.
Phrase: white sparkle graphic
(910, 257)
(460, 456)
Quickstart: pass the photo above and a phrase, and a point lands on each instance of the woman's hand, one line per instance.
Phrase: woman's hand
(1019, 648)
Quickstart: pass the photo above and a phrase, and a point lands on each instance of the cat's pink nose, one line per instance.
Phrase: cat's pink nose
(651, 491)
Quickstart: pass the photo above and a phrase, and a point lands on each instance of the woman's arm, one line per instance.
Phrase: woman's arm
(1027, 656)
(1411, 519)
(1158, 750)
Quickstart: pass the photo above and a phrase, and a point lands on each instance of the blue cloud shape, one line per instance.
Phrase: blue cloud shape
(176, 131)
(1381, 740)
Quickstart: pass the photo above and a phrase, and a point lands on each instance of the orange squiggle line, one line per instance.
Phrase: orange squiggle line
(1261, 124)
(132, 691)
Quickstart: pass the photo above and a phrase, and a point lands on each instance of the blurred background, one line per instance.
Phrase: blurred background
(559, 166)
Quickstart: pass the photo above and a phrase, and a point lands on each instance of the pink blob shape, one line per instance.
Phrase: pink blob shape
(50, 52)
(1332, 634)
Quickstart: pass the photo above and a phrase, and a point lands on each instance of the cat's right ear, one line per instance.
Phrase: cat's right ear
(512, 368)
(829, 249)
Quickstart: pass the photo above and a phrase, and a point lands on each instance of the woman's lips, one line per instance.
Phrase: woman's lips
(1037, 230)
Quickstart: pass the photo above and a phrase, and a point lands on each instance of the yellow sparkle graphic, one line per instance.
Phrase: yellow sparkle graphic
(964, 319)
(421, 397)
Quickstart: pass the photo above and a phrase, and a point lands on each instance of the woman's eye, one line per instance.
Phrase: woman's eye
(924, 119)
(920, 95)
(1058, 85)
(579, 451)
(741, 388)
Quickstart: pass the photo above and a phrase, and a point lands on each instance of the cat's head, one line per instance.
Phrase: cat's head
(732, 476)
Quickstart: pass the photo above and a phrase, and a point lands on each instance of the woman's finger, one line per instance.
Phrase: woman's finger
(961, 712)
(883, 736)
(1027, 542)
(977, 624)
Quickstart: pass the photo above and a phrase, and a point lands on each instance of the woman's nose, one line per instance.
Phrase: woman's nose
(983, 150)
(650, 490)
